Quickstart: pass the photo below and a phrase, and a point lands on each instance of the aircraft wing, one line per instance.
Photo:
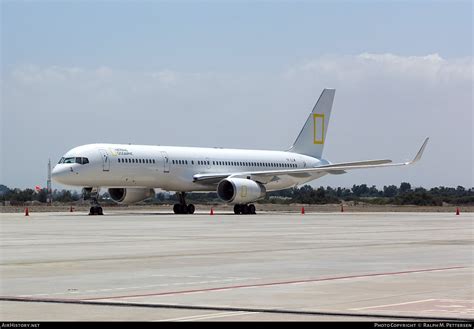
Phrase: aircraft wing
(336, 168)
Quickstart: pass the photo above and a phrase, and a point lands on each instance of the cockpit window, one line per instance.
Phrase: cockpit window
(74, 160)
(82, 160)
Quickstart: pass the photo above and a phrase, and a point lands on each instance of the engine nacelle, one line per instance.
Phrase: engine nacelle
(240, 190)
(130, 195)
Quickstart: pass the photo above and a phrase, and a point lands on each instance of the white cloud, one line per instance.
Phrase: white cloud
(430, 68)
(385, 105)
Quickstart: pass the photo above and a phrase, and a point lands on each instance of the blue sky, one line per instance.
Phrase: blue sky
(243, 75)
(227, 36)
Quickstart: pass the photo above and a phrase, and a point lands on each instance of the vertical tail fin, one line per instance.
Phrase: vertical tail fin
(312, 137)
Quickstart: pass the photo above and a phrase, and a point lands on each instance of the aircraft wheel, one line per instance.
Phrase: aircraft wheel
(190, 209)
(177, 208)
(252, 209)
(245, 209)
(237, 209)
(95, 210)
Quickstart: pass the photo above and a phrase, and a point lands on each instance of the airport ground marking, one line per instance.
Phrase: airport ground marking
(207, 316)
(389, 305)
(232, 309)
(269, 284)
(137, 287)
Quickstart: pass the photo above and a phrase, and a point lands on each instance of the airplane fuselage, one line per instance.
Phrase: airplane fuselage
(173, 168)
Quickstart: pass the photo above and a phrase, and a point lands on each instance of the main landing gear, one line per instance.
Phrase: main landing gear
(182, 207)
(93, 195)
(244, 209)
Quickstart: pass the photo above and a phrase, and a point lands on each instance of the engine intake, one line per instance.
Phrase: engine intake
(130, 195)
(240, 190)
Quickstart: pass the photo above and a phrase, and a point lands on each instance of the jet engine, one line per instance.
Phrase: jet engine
(130, 195)
(240, 190)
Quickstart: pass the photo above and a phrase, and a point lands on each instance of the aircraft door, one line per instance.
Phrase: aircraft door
(105, 160)
(166, 162)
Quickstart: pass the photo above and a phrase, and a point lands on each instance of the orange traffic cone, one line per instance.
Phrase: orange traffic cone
(342, 207)
(302, 210)
(457, 211)
(27, 213)
(212, 212)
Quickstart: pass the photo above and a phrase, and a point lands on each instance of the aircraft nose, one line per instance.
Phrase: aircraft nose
(60, 173)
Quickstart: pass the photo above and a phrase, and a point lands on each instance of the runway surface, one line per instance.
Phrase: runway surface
(155, 266)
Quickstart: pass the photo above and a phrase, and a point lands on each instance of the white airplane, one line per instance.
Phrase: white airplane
(240, 177)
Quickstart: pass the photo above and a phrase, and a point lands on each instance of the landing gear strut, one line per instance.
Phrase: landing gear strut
(182, 207)
(93, 195)
(244, 209)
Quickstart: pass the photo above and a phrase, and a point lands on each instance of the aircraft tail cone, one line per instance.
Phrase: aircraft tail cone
(302, 210)
(457, 211)
(212, 212)
(27, 213)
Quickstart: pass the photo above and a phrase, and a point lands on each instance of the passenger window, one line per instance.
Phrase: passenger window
(153, 160)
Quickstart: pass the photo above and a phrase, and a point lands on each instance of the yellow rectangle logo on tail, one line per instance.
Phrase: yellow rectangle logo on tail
(318, 128)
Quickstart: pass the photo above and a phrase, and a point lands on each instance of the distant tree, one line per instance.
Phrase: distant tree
(405, 187)
(390, 191)
(373, 191)
(360, 190)
(42, 195)
(4, 189)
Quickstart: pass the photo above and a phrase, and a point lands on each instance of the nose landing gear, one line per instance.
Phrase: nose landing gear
(93, 195)
(182, 207)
